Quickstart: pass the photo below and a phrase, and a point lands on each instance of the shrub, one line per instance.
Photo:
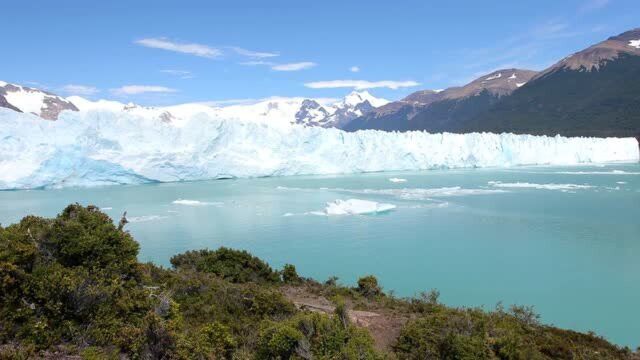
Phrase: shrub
(237, 266)
(368, 286)
(289, 274)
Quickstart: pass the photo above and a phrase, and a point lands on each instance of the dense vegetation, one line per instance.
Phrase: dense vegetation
(72, 286)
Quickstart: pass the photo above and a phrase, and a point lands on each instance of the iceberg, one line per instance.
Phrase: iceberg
(356, 207)
(102, 147)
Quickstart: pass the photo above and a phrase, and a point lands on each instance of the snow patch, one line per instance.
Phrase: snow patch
(520, 84)
(635, 43)
(526, 185)
(493, 77)
(513, 76)
(356, 207)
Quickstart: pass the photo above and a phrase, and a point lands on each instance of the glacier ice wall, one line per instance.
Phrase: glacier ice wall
(101, 147)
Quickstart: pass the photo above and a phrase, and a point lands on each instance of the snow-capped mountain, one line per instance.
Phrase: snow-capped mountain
(29, 100)
(278, 111)
(338, 114)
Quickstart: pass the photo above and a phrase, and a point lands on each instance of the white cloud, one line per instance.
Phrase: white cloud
(183, 74)
(253, 54)
(185, 48)
(354, 69)
(592, 5)
(361, 84)
(142, 89)
(257, 63)
(294, 66)
(82, 90)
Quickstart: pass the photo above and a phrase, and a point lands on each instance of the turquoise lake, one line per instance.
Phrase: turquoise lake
(563, 239)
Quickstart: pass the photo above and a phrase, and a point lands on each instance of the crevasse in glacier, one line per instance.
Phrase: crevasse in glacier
(102, 147)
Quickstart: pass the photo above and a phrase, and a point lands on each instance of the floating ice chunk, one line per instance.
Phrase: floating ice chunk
(356, 207)
(425, 194)
(194, 202)
(621, 182)
(612, 172)
(526, 185)
(397, 180)
(145, 218)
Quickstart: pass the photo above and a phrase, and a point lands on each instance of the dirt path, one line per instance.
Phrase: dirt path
(383, 326)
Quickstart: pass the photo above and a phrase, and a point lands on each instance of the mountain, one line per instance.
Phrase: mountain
(338, 114)
(278, 111)
(29, 100)
(442, 110)
(594, 92)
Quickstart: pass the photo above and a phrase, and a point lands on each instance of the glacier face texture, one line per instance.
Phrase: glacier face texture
(101, 148)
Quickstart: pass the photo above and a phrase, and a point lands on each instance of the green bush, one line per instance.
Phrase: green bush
(368, 286)
(290, 275)
(237, 266)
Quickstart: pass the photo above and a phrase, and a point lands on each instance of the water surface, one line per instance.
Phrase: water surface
(564, 239)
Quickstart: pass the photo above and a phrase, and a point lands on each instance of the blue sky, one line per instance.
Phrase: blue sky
(165, 52)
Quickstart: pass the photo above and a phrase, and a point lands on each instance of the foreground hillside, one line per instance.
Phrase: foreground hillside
(71, 287)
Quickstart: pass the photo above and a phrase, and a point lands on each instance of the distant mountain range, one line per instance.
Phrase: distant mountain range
(275, 110)
(594, 92)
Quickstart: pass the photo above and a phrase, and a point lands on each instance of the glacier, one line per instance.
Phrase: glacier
(100, 147)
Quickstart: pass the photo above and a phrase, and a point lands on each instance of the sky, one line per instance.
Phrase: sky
(167, 52)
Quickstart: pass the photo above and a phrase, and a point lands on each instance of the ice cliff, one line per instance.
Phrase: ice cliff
(102, 147)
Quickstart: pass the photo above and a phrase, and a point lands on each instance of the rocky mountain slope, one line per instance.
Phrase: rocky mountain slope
(437, 111)
(594, 92)
(29, 100)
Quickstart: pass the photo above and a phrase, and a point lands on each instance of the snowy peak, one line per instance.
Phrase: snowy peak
(355, 104)
(359, 97)
(29, 100)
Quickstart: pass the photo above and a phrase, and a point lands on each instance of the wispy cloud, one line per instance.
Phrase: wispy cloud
(294, 66)
(257, 63)
(592, 5)
(185, 48)
(82, 90)
(142, 89)
(182, 74)
(253, 54)
(361, 84)
(354, 69)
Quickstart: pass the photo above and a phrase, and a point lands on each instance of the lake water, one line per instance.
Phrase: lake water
(566, 240)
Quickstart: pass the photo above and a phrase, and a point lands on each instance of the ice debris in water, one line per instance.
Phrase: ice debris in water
(356, 207)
